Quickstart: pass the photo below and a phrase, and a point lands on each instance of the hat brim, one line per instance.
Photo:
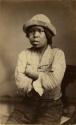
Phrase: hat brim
(39, 23)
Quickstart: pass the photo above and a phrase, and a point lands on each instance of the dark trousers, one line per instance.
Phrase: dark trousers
(35, 110)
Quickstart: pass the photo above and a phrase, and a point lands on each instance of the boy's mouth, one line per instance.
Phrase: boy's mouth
(35, 42)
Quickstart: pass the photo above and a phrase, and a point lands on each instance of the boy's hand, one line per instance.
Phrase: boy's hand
(37, 87)
(31, 71)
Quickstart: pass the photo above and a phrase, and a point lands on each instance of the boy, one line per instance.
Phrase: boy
(39, 73)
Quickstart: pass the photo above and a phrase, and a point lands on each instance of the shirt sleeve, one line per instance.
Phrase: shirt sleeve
(54, 76)
(22, 81)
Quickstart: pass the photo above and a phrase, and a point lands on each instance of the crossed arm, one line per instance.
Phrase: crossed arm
(40, 79)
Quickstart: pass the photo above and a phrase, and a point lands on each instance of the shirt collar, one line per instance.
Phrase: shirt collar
(46, 56)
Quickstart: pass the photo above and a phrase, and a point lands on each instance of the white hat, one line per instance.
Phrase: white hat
(40, 20)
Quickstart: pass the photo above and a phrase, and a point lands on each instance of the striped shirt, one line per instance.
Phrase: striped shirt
(50, 68)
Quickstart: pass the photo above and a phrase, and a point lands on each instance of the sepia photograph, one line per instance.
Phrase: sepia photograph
(38, 62)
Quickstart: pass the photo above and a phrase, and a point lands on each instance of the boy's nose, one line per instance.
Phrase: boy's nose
(36, 33)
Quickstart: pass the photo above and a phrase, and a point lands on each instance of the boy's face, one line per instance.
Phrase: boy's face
(37, 37)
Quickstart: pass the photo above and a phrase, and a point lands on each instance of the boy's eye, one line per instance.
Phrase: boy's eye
(36, 30)
(40, 30)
